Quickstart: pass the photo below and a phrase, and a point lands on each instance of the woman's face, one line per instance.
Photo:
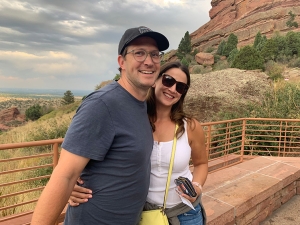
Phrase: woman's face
(168, 96)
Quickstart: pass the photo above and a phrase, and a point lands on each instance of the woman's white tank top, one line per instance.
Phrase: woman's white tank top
(160, 160)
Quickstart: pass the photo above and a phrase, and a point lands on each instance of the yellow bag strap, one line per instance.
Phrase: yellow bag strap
(170, 167)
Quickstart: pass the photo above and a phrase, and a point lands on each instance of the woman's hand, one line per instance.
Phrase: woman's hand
(191, 199)
(79, 194)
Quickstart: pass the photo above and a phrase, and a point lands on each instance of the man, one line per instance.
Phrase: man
(109, 142)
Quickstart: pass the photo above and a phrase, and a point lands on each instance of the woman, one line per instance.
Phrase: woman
(165, 109)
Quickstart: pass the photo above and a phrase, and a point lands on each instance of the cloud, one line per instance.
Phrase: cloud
(74, 42)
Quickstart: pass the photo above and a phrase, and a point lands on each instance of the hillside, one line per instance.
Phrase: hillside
(210, 93)
(228, 89)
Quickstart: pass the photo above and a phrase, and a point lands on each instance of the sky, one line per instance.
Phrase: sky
(72, 44)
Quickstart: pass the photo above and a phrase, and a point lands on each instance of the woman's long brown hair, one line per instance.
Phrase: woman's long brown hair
(177, 114)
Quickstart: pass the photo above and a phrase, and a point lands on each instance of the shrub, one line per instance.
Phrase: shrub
(291, 22)
(294, 63)
(209, 49)
(274, 70)
(248, 59)
(34, 112)
(221, 65)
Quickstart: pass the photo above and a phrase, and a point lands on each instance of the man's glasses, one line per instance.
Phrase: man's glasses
(169, 81)
(141, 55)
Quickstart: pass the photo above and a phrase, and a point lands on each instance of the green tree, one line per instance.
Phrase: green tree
(248, 59)
(270, 50)
(68, 98)
(230, 44)
(293, 43)
(33, 112)
(257, 40)
(221, 47)
(185, 46)
(232, 55)
(291, 23)
(280, 42)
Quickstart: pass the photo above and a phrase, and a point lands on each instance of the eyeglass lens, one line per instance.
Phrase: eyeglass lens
(141, 55)
(169, 81)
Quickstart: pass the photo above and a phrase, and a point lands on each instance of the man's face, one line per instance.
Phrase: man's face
(141, 75)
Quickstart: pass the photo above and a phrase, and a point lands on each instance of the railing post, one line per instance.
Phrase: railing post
(243, 138)
(208, 139)
(55, 154)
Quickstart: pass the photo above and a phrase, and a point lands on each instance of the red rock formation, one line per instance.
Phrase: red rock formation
(203, 58)
(245, 18)
(11, 114)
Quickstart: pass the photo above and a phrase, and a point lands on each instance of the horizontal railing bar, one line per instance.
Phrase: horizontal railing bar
(19, 204)
(22, 192)
(15, 216)
(25, 180)
(221, 152)
(27, 157)
(25, 169)
(30, 144)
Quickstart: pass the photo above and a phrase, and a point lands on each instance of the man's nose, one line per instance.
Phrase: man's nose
(148, 59)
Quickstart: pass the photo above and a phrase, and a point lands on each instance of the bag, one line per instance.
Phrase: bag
(154, 217)
(186, 186)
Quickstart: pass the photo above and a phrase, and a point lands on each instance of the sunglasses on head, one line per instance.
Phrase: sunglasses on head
(169, 81)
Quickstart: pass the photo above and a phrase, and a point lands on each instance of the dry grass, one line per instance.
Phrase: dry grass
(227, 89)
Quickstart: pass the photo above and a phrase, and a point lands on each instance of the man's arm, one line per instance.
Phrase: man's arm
(56, 193)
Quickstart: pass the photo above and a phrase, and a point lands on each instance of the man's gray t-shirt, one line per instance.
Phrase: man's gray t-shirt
(112, 129)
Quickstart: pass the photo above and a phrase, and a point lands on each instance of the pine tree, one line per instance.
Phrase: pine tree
(257, 40)
(230, 44)
(68, 98)
(185, 46)
(221, 47)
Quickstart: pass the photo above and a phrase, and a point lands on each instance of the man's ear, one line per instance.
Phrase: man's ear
(121, 62)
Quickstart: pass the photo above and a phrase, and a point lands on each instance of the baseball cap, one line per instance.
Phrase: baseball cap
(133, 33)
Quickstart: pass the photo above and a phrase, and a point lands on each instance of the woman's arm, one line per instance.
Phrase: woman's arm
(199, 155)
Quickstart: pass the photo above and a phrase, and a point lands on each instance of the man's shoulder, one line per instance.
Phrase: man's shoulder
(105, 92)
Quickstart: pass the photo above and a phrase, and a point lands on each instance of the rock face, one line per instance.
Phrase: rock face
(245, 18)
(203, 58)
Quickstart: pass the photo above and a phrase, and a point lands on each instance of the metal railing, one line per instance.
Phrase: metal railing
(24, 171)
(26, 167)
